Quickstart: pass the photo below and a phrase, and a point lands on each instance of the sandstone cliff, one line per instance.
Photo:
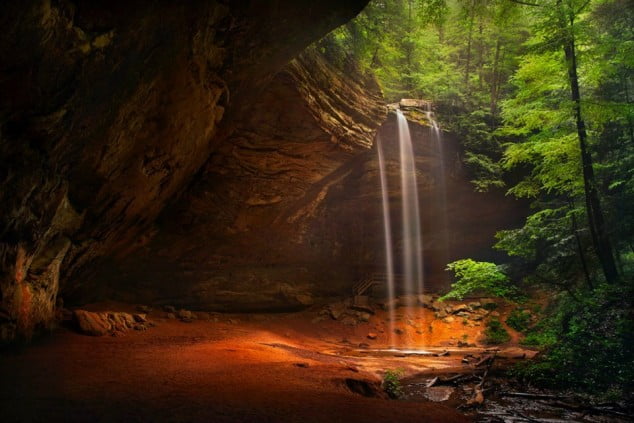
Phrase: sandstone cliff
(108, 109)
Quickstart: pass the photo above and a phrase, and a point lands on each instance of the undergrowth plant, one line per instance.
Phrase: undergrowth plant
(392, 383)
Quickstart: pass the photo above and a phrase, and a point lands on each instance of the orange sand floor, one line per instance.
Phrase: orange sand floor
(242, 368)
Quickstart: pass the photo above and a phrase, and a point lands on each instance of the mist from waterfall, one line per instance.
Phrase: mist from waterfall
(441, 186)
(412, 237)
(412, 251)
(387, 232)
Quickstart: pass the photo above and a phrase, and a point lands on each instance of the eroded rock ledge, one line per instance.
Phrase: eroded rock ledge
(242, 237)
(108, 109)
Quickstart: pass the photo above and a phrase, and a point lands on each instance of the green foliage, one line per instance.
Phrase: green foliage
(588, 344)
(495, 333)
(477, 277)
(392, 383)
(519, 320)
(498, 76)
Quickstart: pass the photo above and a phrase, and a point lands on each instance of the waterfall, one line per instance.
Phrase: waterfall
(412, 238)
(412, 255)
(441, 191)
(387, 232)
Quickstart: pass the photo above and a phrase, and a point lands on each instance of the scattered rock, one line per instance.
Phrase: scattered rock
(475, 304)
(364, 345)
(349, 321)
(169, 309)
(441, 314)
(399, 331)
(495, 314)
(184, 314)
(140, 318)
(392, 304)
(108, 323)
(302, 365)
(426, 300)
(372, 335)
(93, 324)
(437, 306)
(336, 310)
(170, 316)
(460, 308)
(448, 319)
(463, 314)
(363, 317)
(304, 299)
(144, 309)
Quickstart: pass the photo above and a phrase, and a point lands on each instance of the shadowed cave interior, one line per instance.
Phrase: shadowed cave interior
(209, 215)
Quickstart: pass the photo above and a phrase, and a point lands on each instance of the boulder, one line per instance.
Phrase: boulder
(94, 324)
(336, 310)
(372, 335)
(140, 318)
(391, 304)
(426, 300)
(144, 309)
(460, 308)
(184, 314)
(305, 300)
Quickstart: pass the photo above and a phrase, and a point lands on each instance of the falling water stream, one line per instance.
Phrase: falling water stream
(441, 191)
(412, 237)
(387, 232)
(412, 255)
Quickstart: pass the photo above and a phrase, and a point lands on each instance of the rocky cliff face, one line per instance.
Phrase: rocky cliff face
(289, 209)
(172, 154)
(242, 237)
(456, 222)
(108, 109)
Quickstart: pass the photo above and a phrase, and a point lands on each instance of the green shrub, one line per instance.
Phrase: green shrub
(490, 306)
(478, 277)
(519, 320)
(392, 383)
(495, 333)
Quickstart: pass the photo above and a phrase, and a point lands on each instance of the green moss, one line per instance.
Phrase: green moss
(519, 320)
(495, 333)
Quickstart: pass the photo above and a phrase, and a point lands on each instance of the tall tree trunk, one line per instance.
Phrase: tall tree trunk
(582, 256)
(467, 70)
(600, 239)
(494, 78)
(480, 54)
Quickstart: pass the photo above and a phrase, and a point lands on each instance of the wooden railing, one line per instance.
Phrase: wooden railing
(368, 281)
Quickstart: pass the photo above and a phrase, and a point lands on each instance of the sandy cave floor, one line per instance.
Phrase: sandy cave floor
(238, 368)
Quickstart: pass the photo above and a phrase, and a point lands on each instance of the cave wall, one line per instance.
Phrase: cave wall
(108, 109)
(241, 238)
